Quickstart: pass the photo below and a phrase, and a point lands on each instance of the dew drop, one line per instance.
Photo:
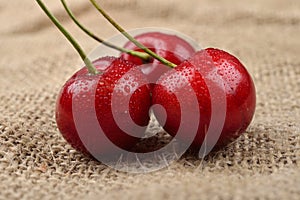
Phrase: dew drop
(127, 89)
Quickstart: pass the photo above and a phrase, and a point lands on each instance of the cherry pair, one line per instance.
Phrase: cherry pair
(217, 80)
(239, 91)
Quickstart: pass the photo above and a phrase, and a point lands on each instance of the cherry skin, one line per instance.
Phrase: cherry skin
(93, 94)
(170, 47)
(236, 81)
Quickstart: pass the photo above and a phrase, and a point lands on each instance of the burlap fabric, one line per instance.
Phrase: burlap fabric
(37, 163)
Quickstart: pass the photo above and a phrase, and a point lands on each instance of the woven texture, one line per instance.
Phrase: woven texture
(37, 163)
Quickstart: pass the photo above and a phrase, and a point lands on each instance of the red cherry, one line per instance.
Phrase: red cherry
(170, 47)
(239, 91)
(93, 94)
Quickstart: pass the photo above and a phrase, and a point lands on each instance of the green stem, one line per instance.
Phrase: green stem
(141, 55)
(91, 68)
(121, 30)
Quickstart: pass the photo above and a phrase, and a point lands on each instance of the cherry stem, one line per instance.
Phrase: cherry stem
(141, 55)
(91, 68)
(129, 37)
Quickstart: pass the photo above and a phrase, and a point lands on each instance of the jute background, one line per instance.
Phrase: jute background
(36, 162)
